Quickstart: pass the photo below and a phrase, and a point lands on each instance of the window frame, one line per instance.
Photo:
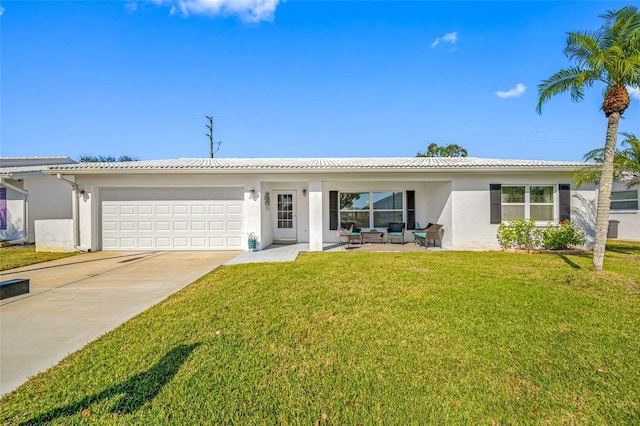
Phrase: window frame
(527, 204)
(637, 201)
(371, 210)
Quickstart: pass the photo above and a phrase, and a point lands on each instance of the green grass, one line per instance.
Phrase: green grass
(15, 257)
(367, 338)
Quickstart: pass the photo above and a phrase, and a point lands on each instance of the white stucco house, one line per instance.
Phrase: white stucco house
(624, 210)
(212, 204)
(27, 194)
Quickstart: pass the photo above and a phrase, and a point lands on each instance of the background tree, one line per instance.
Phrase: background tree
(451, 150)
(610, 55)
(106, 158)
(626, 163)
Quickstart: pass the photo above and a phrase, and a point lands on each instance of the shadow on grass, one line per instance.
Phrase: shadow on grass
(569, 261)
(135, 391)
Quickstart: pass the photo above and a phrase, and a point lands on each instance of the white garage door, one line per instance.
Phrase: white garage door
(172, 219)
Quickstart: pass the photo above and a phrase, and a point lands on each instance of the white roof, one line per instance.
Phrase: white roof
(319, 165)
(20, 167)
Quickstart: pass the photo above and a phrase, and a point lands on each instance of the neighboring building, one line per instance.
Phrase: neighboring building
(27, 194)
(624, 210)
(212, 204)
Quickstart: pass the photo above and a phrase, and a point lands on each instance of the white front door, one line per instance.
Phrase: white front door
(286, 216)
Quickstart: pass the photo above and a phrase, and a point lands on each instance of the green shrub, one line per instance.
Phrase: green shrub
(564, 236)
(524, 234)
(519, 234)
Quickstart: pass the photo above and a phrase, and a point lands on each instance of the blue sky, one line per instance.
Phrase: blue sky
(293, 79)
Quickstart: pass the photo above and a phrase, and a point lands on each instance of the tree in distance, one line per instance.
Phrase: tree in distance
(626, 163)
(106, 159)
(435, 150)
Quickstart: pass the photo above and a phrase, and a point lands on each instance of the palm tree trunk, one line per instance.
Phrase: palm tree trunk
(604, 195)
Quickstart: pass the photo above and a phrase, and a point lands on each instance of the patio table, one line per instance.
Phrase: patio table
(375, 235)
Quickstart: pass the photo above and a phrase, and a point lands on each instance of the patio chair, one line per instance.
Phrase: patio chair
(354, 232)
(395, 231)
(420, 234)
(433, 232)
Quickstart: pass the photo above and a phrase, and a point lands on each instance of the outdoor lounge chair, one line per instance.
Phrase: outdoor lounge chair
(433, 232)
(395, 231)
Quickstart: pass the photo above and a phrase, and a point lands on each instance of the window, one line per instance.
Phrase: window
(3, 208)
(371, 209)
(624, 200)
(528, 201)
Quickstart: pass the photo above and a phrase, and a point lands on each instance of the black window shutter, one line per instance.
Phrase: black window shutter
(495, 190)
(411, 209)
(564, 190)
(333, 210)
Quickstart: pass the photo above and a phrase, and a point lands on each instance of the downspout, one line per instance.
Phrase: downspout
(25, 206)
(75, 211)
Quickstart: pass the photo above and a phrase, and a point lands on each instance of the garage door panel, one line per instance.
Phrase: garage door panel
(110, 210)
(235, 242)
(145, 209)
(145, 242)
(234, 225)
(216, 209)
(145, 226)
(180, 242)
(163, 242)
(199, 226)
(199, 209)
(172, 219)
(235, 209)
(180, 209)
(163, 209)
(127, 209)
(109, 225)
(216, 225)
(163, 226)
(180, 226)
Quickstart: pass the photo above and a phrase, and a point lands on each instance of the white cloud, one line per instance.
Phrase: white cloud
(513, 93)
(247, 10)
(447, 38)
(634, 92)
(131, 6)
(1, 10)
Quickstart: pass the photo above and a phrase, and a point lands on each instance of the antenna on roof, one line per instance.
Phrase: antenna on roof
(210, 134)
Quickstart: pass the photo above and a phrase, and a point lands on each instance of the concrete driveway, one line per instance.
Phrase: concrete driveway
(75, 300)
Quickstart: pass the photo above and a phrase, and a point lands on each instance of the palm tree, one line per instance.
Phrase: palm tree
(610, 55)
(626, 163)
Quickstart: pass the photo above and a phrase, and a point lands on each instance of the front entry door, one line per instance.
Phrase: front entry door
(285, 216)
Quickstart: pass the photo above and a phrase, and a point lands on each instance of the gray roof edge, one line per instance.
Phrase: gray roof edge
(323, 165)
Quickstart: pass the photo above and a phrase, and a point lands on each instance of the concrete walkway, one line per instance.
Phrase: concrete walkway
(77, 299)
(289, 253)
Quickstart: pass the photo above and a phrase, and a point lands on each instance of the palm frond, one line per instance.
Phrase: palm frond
(626, 163)
(573, 80)
(582, 46)
(620, 25)
(587, 174)
(631, 159)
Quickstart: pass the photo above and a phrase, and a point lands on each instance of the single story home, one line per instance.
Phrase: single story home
(624, 212)
(214, 203)
(27, 194)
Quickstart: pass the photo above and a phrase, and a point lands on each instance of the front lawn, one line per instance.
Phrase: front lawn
(367, 338)
(17, 256)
